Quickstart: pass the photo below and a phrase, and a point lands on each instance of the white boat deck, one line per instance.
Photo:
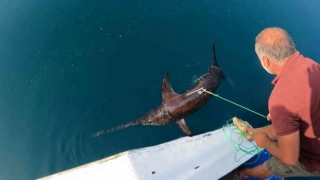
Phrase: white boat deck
(206, 156)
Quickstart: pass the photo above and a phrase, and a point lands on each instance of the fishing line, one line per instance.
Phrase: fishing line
(201, 90)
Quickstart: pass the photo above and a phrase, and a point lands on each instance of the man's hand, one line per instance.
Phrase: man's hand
(269, 117)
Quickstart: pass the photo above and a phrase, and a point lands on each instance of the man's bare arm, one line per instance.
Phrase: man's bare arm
(286, 148)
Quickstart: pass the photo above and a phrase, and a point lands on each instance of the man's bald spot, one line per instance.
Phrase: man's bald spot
(274, 43)
(270, 35)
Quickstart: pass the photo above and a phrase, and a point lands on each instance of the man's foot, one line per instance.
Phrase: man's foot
(243, 127)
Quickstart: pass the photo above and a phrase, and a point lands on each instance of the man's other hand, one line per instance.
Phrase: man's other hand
(269, 117)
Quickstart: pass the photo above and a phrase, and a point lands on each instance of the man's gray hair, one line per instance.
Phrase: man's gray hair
(277, 46)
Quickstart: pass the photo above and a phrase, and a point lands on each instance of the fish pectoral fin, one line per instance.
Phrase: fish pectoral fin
(182, 124)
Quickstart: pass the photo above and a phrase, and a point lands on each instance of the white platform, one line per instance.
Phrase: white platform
(206, 156)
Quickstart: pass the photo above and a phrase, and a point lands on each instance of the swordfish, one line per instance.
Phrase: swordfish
(175, 107)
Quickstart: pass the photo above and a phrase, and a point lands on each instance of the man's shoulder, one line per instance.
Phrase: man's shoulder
(307, 63)
(300, 76)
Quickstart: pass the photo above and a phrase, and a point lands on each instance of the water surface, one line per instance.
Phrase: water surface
(69, 69)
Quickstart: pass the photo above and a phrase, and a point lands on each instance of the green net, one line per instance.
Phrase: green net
(239, 141)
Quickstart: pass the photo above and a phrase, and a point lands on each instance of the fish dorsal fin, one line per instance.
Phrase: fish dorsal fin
(183, 126)
(167, 91)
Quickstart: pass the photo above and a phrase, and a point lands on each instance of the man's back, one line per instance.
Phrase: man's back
(295, 105)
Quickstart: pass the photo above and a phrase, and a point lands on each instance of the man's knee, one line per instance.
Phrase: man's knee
(271, 133)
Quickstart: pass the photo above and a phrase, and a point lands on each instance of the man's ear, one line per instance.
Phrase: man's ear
(265, 61)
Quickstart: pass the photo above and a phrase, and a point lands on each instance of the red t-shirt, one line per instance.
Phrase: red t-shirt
(294, 104)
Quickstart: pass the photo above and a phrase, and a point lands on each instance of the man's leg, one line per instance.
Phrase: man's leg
(260, 171)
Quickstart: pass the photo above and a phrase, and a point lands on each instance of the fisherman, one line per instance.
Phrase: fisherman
(293, 138)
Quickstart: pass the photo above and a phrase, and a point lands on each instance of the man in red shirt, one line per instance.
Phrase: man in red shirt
(293, 138)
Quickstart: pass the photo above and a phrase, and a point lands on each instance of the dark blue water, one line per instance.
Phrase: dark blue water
(71, 68)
